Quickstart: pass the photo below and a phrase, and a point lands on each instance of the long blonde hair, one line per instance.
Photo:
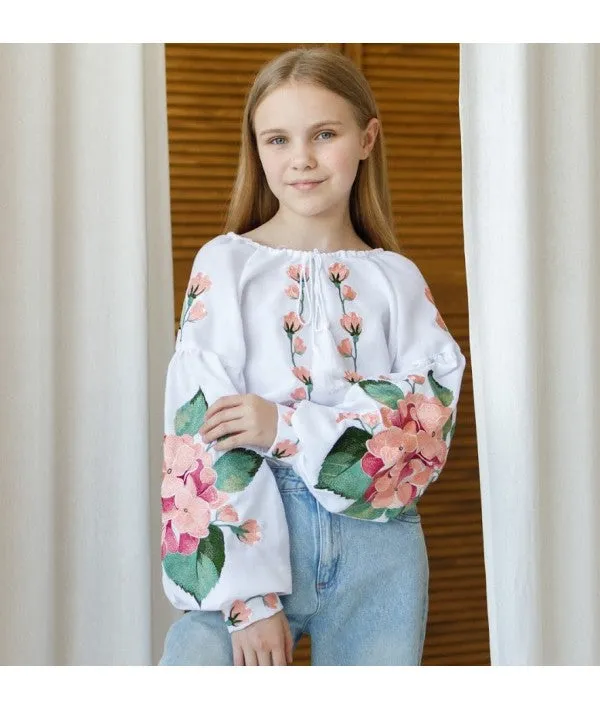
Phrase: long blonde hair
(252, 203)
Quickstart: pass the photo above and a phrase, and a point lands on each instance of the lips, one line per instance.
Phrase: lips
(306, 184)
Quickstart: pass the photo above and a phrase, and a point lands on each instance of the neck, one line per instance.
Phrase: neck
(318, 232)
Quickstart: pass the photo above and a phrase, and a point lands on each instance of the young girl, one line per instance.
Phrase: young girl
(311, 398)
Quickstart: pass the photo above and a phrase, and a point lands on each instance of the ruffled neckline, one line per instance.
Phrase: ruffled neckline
(341, 253)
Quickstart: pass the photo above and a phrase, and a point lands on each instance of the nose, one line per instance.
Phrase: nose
(302, 156)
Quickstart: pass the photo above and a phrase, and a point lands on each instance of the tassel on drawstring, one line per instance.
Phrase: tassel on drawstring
(311, 291)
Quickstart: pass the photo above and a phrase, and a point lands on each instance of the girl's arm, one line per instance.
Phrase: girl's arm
(373, 455)
(225, 544)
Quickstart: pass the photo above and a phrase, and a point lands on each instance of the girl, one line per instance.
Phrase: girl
(311, 398)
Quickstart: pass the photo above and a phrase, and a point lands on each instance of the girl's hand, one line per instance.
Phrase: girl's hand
(245, 419)
(267, 642)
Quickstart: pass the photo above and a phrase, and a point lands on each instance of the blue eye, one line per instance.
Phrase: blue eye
(326, 133)
(277, 138)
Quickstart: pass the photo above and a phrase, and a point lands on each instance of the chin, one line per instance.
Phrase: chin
(310, 208)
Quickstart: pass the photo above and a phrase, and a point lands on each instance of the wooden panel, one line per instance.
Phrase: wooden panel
(416, 86)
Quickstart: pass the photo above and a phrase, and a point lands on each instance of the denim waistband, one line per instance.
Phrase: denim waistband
(286, 476)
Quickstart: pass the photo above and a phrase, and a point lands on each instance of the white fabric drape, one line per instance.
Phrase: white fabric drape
(87, 331)
(530, 127)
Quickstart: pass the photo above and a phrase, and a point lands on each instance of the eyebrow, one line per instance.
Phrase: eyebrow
(310, 128)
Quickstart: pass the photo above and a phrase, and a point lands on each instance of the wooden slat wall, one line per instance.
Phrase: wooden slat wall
(416, 86)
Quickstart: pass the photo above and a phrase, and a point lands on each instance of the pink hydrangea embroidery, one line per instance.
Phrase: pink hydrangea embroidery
(240, 612)
(249, 532)
(352, 323)
(345, 348)
(299, 346)
(271, 600)
(284, 449)
(287, 417)
(438, 318)
(403, 458)
(348, 293)
(227, 514)
(292, 323)
(303, 375)
(352, 376)
(338, 272)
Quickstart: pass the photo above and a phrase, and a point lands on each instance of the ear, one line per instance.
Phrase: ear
(368, 138)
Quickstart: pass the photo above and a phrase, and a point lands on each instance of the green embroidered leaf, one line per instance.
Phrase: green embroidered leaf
(384, 392)
(341, 471)
(452, 432)
(411, 509)
(182, 569)
(211, 558)
(446, 429)
(363, 510)
(190, 416)
(442, 393)
(236, 469)
(198, 573)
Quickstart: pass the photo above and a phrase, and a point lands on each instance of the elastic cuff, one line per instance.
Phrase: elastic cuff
(286, 442)
(242, 613)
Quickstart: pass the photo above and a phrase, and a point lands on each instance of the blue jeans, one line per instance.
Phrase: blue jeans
(359, 589)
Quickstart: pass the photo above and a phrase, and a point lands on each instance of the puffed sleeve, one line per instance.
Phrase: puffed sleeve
(374, 454)
(225, 544)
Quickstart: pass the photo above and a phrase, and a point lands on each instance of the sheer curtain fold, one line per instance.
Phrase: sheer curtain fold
(86, 300)
(531, 194)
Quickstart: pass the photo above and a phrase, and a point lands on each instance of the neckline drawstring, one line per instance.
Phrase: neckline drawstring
(312, 286)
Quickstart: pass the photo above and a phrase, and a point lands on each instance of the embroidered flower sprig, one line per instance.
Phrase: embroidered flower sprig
(194, 310)
(293, 324)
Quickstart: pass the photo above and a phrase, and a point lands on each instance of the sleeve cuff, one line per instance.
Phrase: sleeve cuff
(285, 444)
(243, 613)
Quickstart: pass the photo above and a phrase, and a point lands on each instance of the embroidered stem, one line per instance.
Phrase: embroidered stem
(342, 299)
(355, 356)
(302, 298)
(183, 321)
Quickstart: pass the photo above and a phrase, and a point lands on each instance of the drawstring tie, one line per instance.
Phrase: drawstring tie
(314, 300)
(325, 364)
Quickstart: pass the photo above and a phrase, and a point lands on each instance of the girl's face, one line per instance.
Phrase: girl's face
(310, 146)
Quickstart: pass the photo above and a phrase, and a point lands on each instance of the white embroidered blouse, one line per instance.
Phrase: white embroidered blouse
(366, 378)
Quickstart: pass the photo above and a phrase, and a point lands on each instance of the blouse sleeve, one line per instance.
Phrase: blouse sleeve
(225, 544)
(373, 455)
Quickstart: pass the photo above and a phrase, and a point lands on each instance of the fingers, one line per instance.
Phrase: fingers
(238, 654)
(250, 658)
(226, 429)
(247, 656)
(221, 420)
(289, 646)
(231, 400)
(264, 658)
(279, 657)
(267, 642)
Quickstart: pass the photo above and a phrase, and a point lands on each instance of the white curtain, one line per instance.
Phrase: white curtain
(86, 300)
(530, 123)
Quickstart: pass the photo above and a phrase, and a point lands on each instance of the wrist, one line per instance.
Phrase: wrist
(242, 612)
(285, 443)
